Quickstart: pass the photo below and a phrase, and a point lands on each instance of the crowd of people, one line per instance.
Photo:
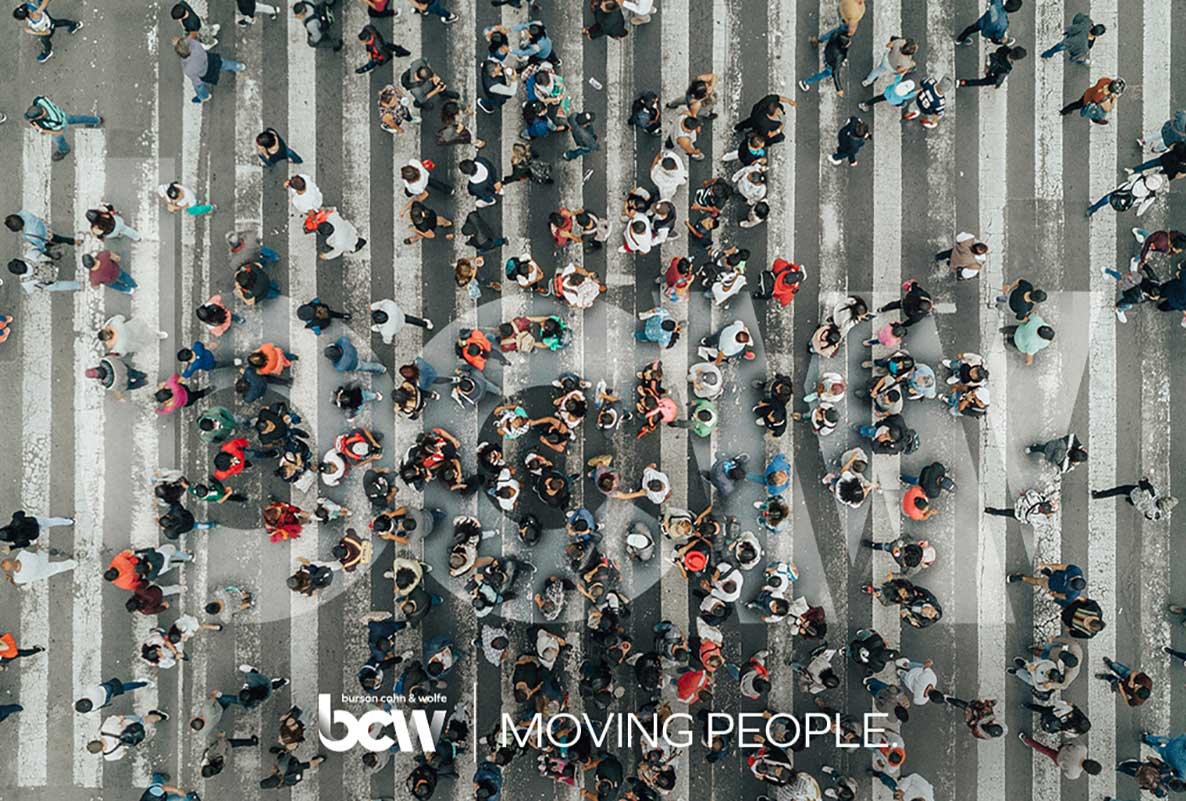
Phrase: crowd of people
(715, 549)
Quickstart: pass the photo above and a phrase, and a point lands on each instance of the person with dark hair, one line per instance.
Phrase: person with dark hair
(1071, 757)
(993, 24)
(835, 57)
(379, 50)
(1065, 453)
(272, 149)
(1062, 582)
(980, 716)
(1030, 338)
(1077, 40)
(1097, 101)
(1134, 686)
(851, 138)
(39, 23)
(100, 695)
(997, 69)
(608, 20)
(317, 19)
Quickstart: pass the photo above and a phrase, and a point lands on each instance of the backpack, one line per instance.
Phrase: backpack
(134, 734)
(1094, 112)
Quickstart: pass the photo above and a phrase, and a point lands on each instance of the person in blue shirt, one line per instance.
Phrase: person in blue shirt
(776, 478)
(659, 327)
(198, 358)
(344, 357)
(993, 24)
(488, 782)
(538, 46)
(1063, 582)
(35, 232)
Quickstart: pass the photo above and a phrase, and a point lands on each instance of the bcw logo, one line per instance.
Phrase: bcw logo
(358, 730)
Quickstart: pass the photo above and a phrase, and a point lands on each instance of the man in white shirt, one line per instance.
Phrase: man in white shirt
(303, 193)
(98, 696)
(638, 236)
(1071, 756)
(918, 679)
(668, 173)
(340, 236)
(120, 733)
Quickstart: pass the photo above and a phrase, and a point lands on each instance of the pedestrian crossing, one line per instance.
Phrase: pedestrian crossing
(1001, 164)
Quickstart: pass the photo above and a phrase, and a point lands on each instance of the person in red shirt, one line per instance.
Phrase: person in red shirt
(149, 599)
(283, 521)
(915, 504)
(231, 459)
(122, 571)
(104, 270)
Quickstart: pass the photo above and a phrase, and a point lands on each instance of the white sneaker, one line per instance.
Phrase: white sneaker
(1122, 317)
(245, 668)
(430, 325)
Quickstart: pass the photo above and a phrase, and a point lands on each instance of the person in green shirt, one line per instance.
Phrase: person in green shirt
(1030, 337)
(217, 424)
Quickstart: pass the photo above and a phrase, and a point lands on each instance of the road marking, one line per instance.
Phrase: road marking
(90, 427)
(1101, 411)
(990, 573)
(303, 266)
(37, 415)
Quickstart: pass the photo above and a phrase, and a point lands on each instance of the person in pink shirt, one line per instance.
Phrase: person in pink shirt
(216, 316)
(173, 394)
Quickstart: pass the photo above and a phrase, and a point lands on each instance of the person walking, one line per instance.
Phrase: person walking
(1070, 756)
(993, 24)
(997, 68)
(50, 119)
(37, 238)
(1097, 101)
(103, 269)
(317, 20)
(851, 138)
(1062, 582)
(387, 319)
(1077, 40)
(379, 50)
(898, 58)
(28, 567)
(1030, 338)
(24, 529)
(1065, 453)
(178, 197)
(835, 56)
(1143, 497)
(1029, 506)
(966, 257)
(272, 149)
(1138, 190)
(39, 23)
(100, 696)
(203, 67)
(584, 136)
(10, 651)
(247, 9)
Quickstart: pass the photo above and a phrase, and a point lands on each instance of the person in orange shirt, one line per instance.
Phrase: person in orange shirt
(1098, 101)
(915, 504)
(9, 650)
(271, 359)
(122, 571)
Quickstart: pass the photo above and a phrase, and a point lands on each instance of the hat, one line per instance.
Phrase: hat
(695, 561)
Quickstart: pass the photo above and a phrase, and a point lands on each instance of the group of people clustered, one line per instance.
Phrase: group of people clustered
(711, 549)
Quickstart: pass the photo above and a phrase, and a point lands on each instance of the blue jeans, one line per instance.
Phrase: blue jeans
(824, 37)
(1058, 48)
(911, 480)
(123, 284)
(1144, 165)
(370, 367)
(1099, 204)
(228, 65)
(60, 142)
(874, 686)
(823, 74)
(576, 153)
(436, 7)
(868, 432)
